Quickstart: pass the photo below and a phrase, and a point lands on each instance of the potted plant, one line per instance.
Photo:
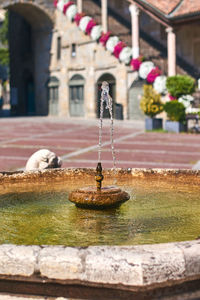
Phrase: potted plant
(180, 85)
(176, 114)
(151, 105)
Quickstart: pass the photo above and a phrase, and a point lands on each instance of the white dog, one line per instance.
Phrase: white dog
(43, 159)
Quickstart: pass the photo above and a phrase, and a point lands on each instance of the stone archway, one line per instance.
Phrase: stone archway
(134, 96)
(112, 85)
(29, 93)
(30, 36)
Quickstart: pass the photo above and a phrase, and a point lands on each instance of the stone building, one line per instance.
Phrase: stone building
(56, 69)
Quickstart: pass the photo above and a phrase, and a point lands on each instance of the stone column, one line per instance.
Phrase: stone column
(121, 89)
(90, 93)
(171, 48)
(104, 15)
(80, 5)
(135, 29)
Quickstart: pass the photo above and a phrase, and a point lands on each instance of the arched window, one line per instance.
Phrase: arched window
(53, 85)
(76, 96)
(58, 48)
(112, 85)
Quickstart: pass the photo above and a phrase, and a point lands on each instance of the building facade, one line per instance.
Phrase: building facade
(56, 69)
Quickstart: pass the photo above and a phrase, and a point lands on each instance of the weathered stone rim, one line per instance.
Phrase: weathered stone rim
(137, 269)
(181, 176)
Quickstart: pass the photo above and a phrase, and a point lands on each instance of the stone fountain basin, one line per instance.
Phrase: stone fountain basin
(163, 271)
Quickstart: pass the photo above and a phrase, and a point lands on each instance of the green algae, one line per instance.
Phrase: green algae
(152, 215)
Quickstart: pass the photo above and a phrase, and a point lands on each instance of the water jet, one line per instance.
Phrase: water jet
(109, 196)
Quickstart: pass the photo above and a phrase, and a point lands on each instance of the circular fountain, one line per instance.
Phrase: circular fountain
(92, 252)
(34, 211)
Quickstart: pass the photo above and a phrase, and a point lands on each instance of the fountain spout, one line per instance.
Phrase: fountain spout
(101, 197)
(99, 176)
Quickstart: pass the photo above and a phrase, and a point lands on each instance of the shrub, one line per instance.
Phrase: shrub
(180, 85)
(151, 103)
(175, 111)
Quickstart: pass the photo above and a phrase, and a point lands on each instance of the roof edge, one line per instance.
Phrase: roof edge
(152, 10)
(169, 19)
(176, 8)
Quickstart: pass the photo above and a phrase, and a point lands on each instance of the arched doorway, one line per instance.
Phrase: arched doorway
(53, 95)
(135, 94)
(76, 96)
(30, 34)
(112, 85)
(29, 93)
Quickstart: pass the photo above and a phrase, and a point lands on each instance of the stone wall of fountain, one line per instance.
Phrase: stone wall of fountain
(87, 175)
(101, 272)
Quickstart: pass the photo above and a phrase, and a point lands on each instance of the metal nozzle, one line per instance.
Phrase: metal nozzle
(99, 176)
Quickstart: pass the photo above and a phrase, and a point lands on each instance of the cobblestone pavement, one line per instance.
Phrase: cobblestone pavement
(76, 141)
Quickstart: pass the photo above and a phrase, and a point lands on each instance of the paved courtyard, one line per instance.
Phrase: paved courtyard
(76, 141)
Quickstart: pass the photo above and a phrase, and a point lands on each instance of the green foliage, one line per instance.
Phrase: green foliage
(175, 111)
(4, 31)
(151, 103)
(4, 52)
(157, 130)
(4, 56)
(180, 85)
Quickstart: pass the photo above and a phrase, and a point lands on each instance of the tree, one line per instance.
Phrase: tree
(4, 51)
(4, 31)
